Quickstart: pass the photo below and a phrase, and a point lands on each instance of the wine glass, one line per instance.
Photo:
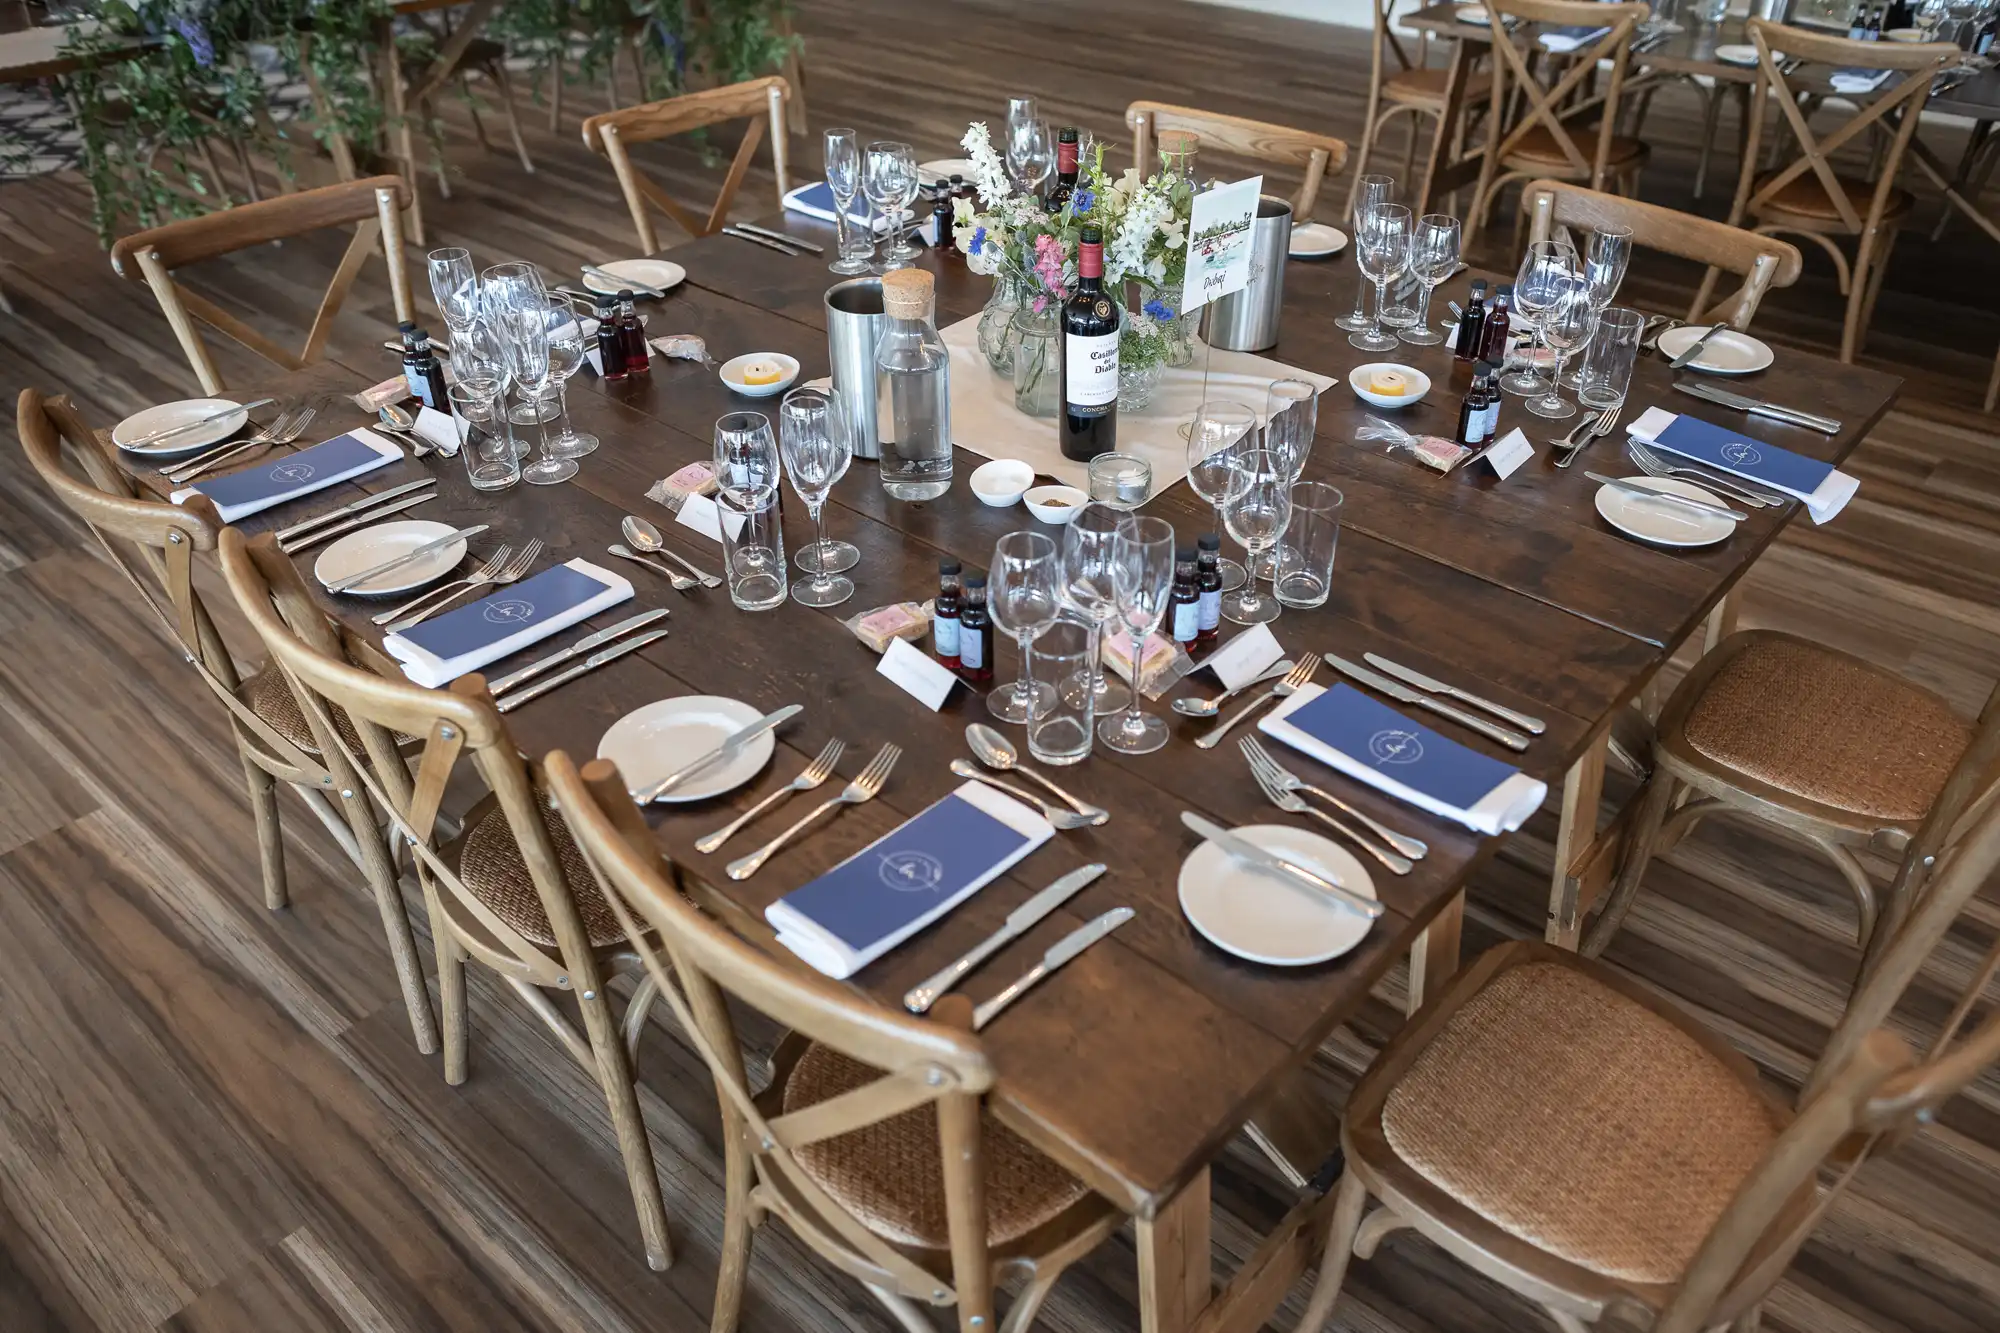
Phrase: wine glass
(1433, 258)
(1256, 514)
(816, 455)
(1217, 433)
(1142, 574)
(1024, 598)
(1382, 253)
(1545, 268)
(1368, 192)
(1565, 324)
(566, 348)
(889, 179)
(1020, 111)
(843, 179)
(1291, 419)
(517, 284)
(526, 328)
(1088, 589)
(1605, 260)
(455, 288)
(479, 361)
(1031, 155)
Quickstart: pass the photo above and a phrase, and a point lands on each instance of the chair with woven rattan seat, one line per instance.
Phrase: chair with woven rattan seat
(1408, 88)
(154, 544)
(509, 890)
(1562, 130)
(151, 257)
(1806, 197)
(870, 1140)
(613, 134)
(1580, 1139)
(1318, 156)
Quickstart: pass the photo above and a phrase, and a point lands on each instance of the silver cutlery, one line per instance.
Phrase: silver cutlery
(1409, 285)
(920, 998)
(784, 243)
(408, 557)
(1694, 349)
(1301, 672)
(401, 424)
(1064, 949)
(998, 753)
(1260, 758)
(578, 649)
(759, 240)
(1638, 492)
(1655, 326)
(717, 753)
(646, 539)
(786, 237)
(1659, 465)
(680, 581)
(1757, 407)
(282, 431)
(1292, 804)
(1606, 422)
(306, 525)
(621, 282)
(207, 419)
(1578, 435)
(818, 771)
(588, 664)
(864, 788)
(1242, 849)
(374, 515)
(1534, 726)
(493, 564)
(1062, 817)
(1210, 707)
(1375, 680)
(509, 573)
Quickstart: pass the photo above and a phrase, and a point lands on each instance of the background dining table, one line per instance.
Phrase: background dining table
(1141, 1060)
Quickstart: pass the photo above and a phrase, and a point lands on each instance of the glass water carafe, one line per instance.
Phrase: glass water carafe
(913, 390)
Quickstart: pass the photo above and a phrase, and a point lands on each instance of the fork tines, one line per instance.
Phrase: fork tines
(869, 781)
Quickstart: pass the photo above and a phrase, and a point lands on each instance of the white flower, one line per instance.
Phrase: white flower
(988, 171)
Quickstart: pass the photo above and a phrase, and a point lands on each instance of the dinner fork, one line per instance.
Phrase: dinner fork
(818, 771)
(863, 788)
(1297, 676)
(1276, 778)
(1653, 465)
(1607, 421)
(282, 431)
(1291, 804)
(522, 562)
(493, 564)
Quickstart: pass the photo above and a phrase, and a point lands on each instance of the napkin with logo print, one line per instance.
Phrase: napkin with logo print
(511, 618)
(1822, 488)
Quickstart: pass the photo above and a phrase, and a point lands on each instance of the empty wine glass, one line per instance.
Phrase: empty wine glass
(1545, 270)
(1382, 253)
(1433, 258)
(1024, 598)
(1143, 579)
(517, 285)
(1031, 154)
(1291, 419)
(1089, 589)
(1565, 324)
(1219, 431)
(843, 179)
(1368, 192)
(455, 288)
(889, 179)
(566, 349)
(816, 454)
(1020, 111)
(528, 357)
(1605, 260)
(1256, 514)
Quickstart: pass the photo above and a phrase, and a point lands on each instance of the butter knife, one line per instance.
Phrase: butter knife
(1375, 680)
(1648, 493)
(428, 548)
(168, 432)
(1694, 348)
(1064, 949)
(783, 237)
(1757, 407)
(1285, 868)
(729, 745)
(576, 650)
(622, 282)
(362, 520)
(921, 998)
(767, 243)
(591, 663)
(354, 507)
(1534, 726)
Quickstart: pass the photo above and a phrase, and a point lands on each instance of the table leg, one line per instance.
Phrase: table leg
(1583, 789)
(1441, 162)
(1176, 1277)
(1434, 957)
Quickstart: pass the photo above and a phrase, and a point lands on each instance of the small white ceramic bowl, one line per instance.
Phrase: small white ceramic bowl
(1420, 384)
(1056, 504)
(732, 374)
(1001, 482)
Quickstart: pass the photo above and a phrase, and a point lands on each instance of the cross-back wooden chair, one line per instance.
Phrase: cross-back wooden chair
(1807, 197)
(1561, 129)
(154, 544)
(869, 1140)
(614, 132)
(151, 257)
(1579, 1138)
(1317, 155)
(1763, 262)
(510, 890)
(1410, 88)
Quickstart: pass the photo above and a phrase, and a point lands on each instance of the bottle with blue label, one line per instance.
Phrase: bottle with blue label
(1208, 574)
(975, 633)
(1185, 608)
(944, 615)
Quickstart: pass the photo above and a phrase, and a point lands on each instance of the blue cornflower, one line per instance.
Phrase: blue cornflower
(1158, 309)
(195, 33)
(1081, 201)
(978, 239)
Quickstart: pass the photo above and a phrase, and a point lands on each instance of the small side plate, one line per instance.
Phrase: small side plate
(1660, 524)
(650, 742)
(1316, 240)
(371, 546)
(661, 273)
(1727, 353)
(168, 415)
(1257, 915)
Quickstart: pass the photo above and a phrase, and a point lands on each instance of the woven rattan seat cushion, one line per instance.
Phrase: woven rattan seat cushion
(891, 1176)
(1827, 728)
(491, 867)
(1579, 1120)
(270, 697)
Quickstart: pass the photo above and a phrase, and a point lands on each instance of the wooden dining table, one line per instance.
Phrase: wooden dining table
(1136, 1064)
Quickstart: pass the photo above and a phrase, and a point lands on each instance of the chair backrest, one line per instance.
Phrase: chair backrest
(1895, 109)
(1557, 99)
(758, 100)
(1763, 262)
(925, 1063)
(151, 256)
(153, 544)
(1318, 155)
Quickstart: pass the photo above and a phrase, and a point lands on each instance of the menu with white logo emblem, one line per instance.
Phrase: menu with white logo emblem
(286, 476)
(1824, 489)
(513, 617)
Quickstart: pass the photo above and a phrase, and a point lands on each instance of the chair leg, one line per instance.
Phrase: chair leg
(380, 872)
(614, 1074)
(1711, 116)
(1655, 799)
(472, 110)
(1874, 291)
(907, 1314)
(270, 834)
(506, 84)
(1993, 384)
(451, 999)
(733, 1264)
(1360, 165)
(1339, 1250)
(1376, 1228)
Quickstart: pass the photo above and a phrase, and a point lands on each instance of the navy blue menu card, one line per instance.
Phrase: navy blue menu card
(816, 201)
(514, 616)
(906, 879)
(1356, 733)
(283, 477)
(1824, 489)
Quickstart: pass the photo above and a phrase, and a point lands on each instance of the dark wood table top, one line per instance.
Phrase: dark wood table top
(1135, 1064)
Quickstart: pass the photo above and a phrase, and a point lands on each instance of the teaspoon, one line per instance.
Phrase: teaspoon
(400, 422)
(1056, 815)
(646, 539)
(680, 581)
(1210, 707)
(998, 753)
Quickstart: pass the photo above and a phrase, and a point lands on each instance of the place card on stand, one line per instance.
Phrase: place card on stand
(1507, 453)
(1245, 657)
(437, 429)
(704, 515)
(917, 674)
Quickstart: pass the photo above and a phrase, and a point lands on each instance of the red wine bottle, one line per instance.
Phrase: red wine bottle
(1065, 182)
(1089, 422)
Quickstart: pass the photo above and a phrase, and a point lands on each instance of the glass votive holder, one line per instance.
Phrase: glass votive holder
(753, 548)
(1124, 480)
(1304, 568)
(491, 461)
(1609, 358)
(1059, 668)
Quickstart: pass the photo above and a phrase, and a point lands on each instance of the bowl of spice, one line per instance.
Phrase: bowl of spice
(1055, 504)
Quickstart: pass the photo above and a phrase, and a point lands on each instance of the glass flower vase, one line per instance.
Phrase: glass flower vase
(1138, 380)
(1037, 376)
(996, 324)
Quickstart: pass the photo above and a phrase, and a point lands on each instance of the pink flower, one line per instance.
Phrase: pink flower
(1049, 262)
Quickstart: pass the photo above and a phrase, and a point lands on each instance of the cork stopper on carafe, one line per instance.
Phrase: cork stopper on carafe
(906, 293)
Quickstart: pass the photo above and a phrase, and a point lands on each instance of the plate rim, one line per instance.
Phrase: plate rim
(693, 793)
(442, 529)
(667, 286)
(1770, 353)
(1333, 249)
(154, 451)
(1653, 483)
(1249, 831)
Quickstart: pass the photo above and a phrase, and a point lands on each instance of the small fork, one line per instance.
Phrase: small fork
(863, 788)
(288, 427)
(1292, 805)
(1653, 465)
(1297, 676)
(1606, 422)
(1261, 761)
(508, 573)
(818, 771)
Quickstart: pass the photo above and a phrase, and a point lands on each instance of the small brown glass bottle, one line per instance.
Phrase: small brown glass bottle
(426, 374)
(638, 358)
(1184, 609)
(945, 614)
(975, 633)
(1208, 572)
(1493, 340)
(610, 339)
(1471, 324)
(1472, 409)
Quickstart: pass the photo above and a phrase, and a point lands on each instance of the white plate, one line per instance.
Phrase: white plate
(1663, 525)
(1727, 353)
(649, 743)
(1737, 54)
(1254, 914)
(371, 546)
(660, 273)
(1476, 15)
(1316, 240)
(1357, 380)
(732, 374)
(166, 415)
(944, 168)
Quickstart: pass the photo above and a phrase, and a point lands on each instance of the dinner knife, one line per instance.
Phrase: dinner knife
(1285, 868)
(729, 745)
(760, 240)
(1694, 348)
(1019, 921)
(354, 507)
(1375, 680)
(1648, 493)
(576, 650)
(1757, 407)
(591, 663)
(428, 548)
(622, 282)
(784, 236)
(1534, 726)
(168, 432)
(298, 544)
(1064, 949)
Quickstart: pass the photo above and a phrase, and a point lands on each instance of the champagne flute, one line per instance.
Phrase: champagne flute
(1368, 192)
(1291, 419)
(527, 342)
(815, 457)
(1544, 268)
(566, 349)
(1382, 253)
(1024, 599)
(1433, 258)
(1218, 430)
(1143, 580)
(1257, 513)
(455, 288)
(889, 178)
(843, 180)
(518, 285)
(1088, 589)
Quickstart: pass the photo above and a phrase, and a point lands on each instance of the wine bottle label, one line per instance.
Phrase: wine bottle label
(971, 651)
(1187, 621)
(1210, 613)
(1092, 364)
(945, 635)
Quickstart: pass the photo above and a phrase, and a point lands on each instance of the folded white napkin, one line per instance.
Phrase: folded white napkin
(428, 669)
(385, 453)
(1828, 499)
(1562, 40)
(1857, 80)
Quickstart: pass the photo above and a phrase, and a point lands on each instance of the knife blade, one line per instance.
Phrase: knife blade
(1534, 726)
(1648, 493)
(428, 548)
(622, 282)
(729, 745)
(1694, 348)
(591, 663)
(760, 240)
(1375, 680)
(1285, 868)
(1757, 407)
(354, 507)
(922, 997)
(576, 650)
(298, 544)
(1064, 949)
(785, 237)
(168, 432)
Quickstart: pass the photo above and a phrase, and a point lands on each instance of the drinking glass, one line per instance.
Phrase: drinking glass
(1143, 581)
(455, 288)
(889, 179)
(1090, 591)
(1605, 260)
(481, 353)
(566, 349)
(1565, 325)
(843, 179)
(1305, 555)
(753, 546)
(1368, 192)
(1023, 596)
(1433, 258)
(1216, 438)
(1291, 418)
(518, 285)
(1256, 515)
(1608, 361)
(1031, 154)
(1545, 268)
(490, 462)
(816, 454)
(1382, 253)
(1061, 729)
(529, 358)
(1020, 111)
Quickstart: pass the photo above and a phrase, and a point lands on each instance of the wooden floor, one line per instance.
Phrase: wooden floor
(211, 1117)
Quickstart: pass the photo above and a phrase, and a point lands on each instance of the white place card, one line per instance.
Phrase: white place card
(1245, 657)
(1219, 229)
(594, 358)
(705, 516)
(919, 675)
(437, 428)
(1511, 450)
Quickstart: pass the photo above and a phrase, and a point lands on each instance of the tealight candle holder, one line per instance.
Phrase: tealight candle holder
(1124, 480)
